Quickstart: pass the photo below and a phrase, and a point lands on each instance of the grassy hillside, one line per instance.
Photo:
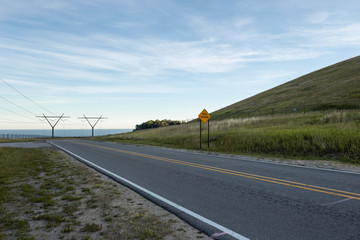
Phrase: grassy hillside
(337, 85)
(330, 134)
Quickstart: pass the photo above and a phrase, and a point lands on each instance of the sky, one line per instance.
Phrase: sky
(136, 60)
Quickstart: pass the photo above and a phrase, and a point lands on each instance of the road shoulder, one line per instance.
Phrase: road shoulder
(66, 199)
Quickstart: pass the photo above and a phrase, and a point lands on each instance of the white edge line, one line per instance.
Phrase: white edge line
(333, 203)
(195, 215)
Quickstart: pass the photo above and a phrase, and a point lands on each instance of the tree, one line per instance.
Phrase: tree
(156, 124)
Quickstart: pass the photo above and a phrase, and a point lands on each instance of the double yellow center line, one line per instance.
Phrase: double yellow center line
(309, 187)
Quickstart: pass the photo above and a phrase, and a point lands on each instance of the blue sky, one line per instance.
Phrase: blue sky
(134, 60)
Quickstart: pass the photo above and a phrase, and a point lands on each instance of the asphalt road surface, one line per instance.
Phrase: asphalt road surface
(233, 198)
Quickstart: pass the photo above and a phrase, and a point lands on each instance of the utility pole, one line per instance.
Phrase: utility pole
(92, 126)
(53, 126)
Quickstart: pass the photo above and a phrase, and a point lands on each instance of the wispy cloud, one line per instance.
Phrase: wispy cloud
(330, 36)
(147, 57)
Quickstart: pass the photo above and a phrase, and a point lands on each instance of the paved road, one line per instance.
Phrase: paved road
(255, 200)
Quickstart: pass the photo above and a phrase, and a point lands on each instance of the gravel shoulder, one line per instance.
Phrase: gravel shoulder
(64, 199)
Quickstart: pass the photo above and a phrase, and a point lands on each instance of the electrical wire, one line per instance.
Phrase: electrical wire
(12, 122)
(16, 113)
(18, 106)
(29, 99)
(5, 120)
(26, 97)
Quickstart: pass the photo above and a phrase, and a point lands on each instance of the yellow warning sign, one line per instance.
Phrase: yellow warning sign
(204, 116)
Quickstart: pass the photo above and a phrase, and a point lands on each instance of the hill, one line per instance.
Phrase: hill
(305, 134)
(336, 86)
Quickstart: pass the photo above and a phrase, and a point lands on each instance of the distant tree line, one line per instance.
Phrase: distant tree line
(156, 124)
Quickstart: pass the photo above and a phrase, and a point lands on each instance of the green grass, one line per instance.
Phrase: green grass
(148, 227)
(11, 140)
(52, 220)
(91, 227)
(67, 228)
(336, 86)
(70, 209)
(333, 135)
(13, 164)
(17, 164)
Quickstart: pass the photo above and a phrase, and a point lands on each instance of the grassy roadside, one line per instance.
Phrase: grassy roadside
(11, 140)
(330, 136)
(44, 194)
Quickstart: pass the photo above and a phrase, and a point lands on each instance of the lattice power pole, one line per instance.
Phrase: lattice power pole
(49, 117)
(92, 126)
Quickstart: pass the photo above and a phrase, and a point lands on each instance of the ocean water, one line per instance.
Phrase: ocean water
(60, 132)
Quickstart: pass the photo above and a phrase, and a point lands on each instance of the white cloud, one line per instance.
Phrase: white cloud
(333, 36)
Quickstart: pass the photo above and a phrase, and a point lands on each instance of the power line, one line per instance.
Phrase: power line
(26, 96)
(6, 119)
(74, 123)
(13, 121)
(16, 113)
(17, 105)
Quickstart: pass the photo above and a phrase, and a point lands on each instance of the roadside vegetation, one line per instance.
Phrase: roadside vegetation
(156, 124)
(11, 140)
(45, 194)
(333, 135)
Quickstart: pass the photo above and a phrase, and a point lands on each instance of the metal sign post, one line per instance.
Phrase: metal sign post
(204, 117)
(200, 133)
(208, 134)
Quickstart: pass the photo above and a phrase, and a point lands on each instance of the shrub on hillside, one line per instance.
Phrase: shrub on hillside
(156, 124)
